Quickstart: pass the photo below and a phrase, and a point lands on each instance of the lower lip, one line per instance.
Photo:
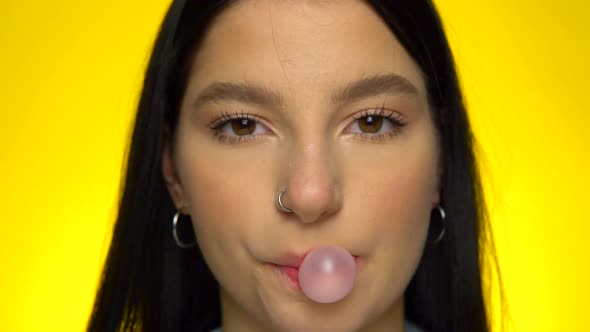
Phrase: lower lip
(291, 274)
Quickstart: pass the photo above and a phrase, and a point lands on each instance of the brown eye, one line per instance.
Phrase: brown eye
(370, 124)
(243, 127)
(377, 124)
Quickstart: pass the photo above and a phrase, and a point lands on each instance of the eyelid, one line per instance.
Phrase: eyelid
(394, 116)
(394, 120)
(227, 116)
(379, 110)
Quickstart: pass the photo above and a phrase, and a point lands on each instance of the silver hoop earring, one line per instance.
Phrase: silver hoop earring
(175, 234)
(443, 215)
(280, 202)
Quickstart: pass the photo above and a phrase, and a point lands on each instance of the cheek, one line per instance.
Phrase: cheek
(216, 194)
(399, 194)
(407, 196)
(223, 190)
(400, 215)
(399, 200)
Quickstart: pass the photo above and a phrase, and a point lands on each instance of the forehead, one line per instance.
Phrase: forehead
(300, 46)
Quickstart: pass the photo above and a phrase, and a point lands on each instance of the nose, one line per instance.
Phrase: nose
(313, 190)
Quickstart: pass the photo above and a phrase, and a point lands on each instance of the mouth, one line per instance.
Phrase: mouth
(290, 260)
(289, 274)
(294, 260)
(288, 268)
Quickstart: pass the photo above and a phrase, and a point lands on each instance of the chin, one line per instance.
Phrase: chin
(317, 318)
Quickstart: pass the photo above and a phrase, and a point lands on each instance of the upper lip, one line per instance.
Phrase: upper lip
(289, 259)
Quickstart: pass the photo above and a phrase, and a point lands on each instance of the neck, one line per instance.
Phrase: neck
(235, 319)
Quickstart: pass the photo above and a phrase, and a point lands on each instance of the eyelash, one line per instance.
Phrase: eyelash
(224, 119)
(397, 121)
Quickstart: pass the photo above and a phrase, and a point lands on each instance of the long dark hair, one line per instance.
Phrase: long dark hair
(149, 283)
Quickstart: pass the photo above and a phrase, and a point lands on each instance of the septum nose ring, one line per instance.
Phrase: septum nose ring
(279, 200)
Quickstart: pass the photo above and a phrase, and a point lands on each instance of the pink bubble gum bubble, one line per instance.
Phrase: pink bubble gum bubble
(327, 274)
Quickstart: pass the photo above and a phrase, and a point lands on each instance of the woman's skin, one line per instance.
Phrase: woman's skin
(305, 71)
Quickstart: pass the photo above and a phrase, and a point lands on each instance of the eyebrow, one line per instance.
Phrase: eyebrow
(373, 86)
(240, 92)
(250, 93)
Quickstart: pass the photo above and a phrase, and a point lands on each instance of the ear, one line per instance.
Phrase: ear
(436, 198)
(170, 174)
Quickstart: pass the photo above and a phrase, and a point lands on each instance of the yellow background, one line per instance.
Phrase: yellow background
(70, 72)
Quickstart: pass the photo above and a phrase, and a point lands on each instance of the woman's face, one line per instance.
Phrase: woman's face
(318, 97)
